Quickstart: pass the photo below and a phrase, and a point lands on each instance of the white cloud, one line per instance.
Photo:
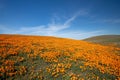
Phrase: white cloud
(80, 34)
(4, 29)
(53, 29)
(110, 21)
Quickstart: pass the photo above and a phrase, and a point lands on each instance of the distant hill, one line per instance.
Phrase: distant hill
(105, 40)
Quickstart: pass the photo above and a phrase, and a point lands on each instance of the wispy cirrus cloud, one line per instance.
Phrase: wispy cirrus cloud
(114, 21)
(81, 34)
(54, 29)
(110, 21)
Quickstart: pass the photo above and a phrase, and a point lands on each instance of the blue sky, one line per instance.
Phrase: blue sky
(76, 19)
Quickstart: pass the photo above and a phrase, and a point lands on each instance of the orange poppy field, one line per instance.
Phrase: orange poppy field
(25, 57)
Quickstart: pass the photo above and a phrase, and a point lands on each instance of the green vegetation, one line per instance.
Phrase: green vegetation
(113, 40)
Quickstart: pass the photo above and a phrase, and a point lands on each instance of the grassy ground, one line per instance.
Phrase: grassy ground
(51, 58)
(112, 40)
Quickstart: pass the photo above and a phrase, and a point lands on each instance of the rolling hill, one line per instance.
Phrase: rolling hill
(25, 57)
(105, 40)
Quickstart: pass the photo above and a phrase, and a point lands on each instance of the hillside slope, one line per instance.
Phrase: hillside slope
(50, 58)
(105, 40)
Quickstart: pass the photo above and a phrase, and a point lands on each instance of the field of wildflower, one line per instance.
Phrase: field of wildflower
(50, 58)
